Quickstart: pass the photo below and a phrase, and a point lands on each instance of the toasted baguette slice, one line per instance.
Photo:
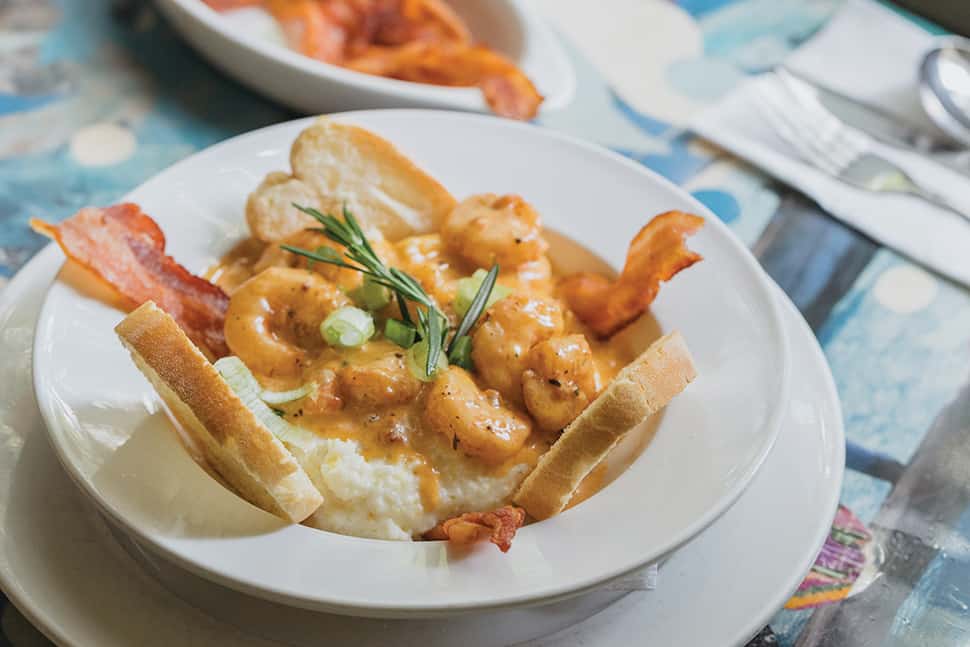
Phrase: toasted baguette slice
(382, 187)
(638, 391)
(241, 450)
(270, 212)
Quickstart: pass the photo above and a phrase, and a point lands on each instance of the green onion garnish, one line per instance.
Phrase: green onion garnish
(432, 324)
(468, 287)
(476, 308)
(402, 334)
(281, 397)
(240, 379)
(347, 327)
(370, 295)
(417, 361)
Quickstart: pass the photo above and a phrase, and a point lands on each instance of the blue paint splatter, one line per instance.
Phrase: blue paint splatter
(701, 7)
(678, 165)
(11, 103)
(721, 203)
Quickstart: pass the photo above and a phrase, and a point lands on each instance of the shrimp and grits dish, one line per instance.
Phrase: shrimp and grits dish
(383, 360)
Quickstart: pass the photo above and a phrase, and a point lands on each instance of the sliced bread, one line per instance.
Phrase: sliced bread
(383, 188)
(638, 391)
(242, 450)
(270, 213)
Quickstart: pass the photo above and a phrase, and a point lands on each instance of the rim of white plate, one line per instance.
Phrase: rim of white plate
(761, 282)
(40, 615)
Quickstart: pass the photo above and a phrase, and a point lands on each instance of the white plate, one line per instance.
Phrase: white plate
(68, 576)
(241, 44)
(114, 441)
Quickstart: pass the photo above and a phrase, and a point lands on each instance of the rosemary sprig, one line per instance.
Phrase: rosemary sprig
(432, 323)
(477, 306)
(349, 235)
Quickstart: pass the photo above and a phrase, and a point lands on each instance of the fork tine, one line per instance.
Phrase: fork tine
(805, 96)
(820, 130)
(828, 137)
(794, 111)
(776, 111)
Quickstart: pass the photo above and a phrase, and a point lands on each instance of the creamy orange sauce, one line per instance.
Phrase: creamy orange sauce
(236, 267)
(394, 432)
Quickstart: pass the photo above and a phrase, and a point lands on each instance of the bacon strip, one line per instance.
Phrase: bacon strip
(498, 526)
(656, 254)
(424, 41)
(310, 29)
(126, 249)
(507, 90)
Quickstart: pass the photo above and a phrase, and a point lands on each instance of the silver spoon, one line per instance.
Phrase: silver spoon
(944, 87)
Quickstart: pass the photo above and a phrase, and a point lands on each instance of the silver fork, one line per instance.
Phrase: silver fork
(797, 115)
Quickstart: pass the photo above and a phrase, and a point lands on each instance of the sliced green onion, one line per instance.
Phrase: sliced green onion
(468, 287)
(461, 353)
(402, 334)
(244, 385)
(347, 327)
(371, 295)
(281, 397)
(477, 306)
(417, 361)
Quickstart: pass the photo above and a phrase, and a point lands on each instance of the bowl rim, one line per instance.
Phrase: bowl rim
(467, 98)
(762, 283)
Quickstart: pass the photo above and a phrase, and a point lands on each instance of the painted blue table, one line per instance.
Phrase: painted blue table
(96, 96)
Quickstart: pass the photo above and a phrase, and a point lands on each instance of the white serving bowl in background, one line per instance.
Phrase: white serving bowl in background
(244, 49)
(109, 432)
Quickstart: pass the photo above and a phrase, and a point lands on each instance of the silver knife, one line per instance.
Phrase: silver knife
(889, 129)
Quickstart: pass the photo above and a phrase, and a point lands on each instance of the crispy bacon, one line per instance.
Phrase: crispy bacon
(424, 41)
(507, 90)
(310, 29)
(498, 526)
(656, 254)
(126, 249)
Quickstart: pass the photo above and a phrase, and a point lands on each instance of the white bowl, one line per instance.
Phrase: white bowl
(107, 429)
(243, 49)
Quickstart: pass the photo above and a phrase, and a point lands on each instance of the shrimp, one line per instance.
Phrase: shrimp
(475, 421)
(507, 332)
(273, 319)
(487, 228)
(312, 239)
(560, 381)
(534, 277)
(379, 382)
(325, 398)
(424, 258)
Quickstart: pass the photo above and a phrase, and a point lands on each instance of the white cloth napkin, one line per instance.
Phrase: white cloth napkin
(868, 53)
